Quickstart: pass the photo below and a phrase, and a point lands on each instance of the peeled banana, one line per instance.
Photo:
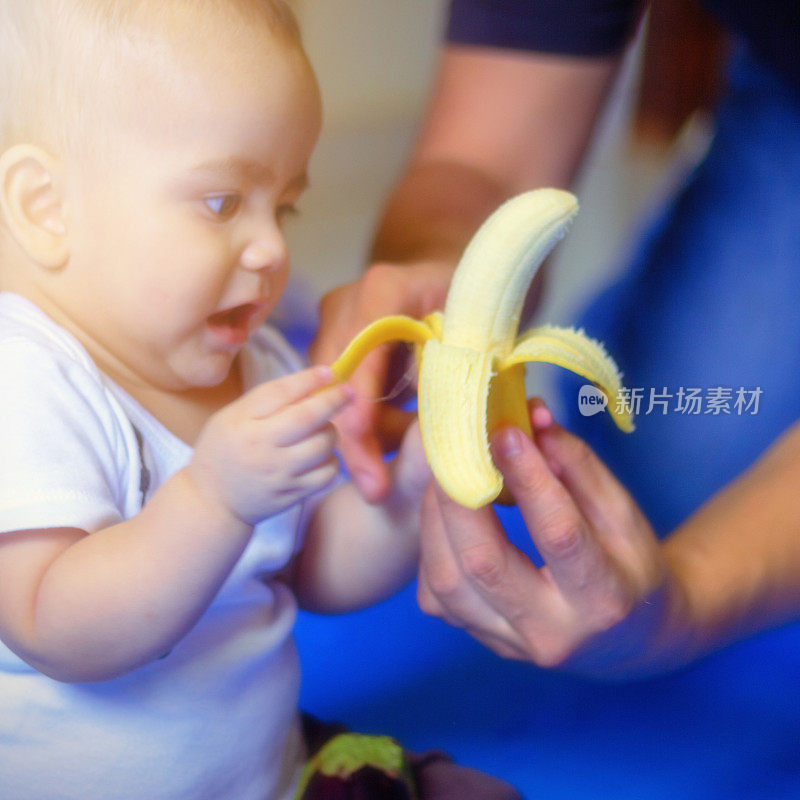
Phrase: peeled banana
(471, 361)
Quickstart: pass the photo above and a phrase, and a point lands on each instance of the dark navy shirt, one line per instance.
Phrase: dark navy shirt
(601, 27)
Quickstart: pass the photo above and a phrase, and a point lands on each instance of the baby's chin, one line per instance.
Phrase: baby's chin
(198, 372)
(218, 370)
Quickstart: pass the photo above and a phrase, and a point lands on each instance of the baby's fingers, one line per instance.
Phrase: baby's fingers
(319, 477)
(268, 398)
(311, 452)
(308, 415)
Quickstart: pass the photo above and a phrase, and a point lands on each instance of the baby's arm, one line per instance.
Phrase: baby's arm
(357, 554)
(84, 607)
(81, 607)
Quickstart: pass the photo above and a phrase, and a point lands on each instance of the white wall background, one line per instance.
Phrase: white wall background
(373, 59)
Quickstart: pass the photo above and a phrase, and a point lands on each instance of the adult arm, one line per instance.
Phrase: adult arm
(499, 122)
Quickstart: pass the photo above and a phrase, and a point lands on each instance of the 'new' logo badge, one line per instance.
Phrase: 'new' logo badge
(591, 400)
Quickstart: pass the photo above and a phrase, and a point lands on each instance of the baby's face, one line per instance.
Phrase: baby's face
(177, 252)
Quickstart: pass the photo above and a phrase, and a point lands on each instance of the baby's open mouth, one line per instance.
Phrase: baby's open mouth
(233, 324)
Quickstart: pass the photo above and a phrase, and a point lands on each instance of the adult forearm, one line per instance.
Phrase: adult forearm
(738, 558)
(434, 210)
(499, 122)
(124, 596)
(731, 570)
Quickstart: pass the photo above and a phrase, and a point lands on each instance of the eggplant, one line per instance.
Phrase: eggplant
(367, 783)
(354, 766)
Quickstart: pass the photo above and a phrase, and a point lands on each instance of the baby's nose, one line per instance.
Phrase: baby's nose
(268, 253)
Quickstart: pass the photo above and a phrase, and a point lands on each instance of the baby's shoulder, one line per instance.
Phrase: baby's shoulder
(68, 451)
(33, 347)
(43, 366)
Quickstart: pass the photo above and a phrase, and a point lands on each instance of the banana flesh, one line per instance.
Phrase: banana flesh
(471, 360)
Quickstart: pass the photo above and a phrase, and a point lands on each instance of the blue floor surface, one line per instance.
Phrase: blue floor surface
(724, 729)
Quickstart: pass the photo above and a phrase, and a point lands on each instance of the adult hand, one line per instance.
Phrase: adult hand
(369, 428)
(605, 603)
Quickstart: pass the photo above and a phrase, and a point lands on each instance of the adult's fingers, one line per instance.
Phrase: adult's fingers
(339, 321)
(391, 424)
(346, 310)
(511, 645)
(620, 526)
(361, 451)
(445, 591)
(597, 493)
(576, 561)
(496, 570)
(440, 580)
(383, 289)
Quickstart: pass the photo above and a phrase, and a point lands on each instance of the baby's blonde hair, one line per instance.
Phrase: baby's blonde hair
(51, 49)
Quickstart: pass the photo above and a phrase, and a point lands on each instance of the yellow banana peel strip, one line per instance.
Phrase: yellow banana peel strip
(471, 361)
(578, 353)
(397, 328)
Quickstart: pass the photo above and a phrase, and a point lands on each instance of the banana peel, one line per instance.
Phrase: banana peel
(471, 358)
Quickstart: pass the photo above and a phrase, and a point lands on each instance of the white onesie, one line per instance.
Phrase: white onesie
(216, 718)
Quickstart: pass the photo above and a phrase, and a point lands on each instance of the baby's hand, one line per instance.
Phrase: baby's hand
(272, 447)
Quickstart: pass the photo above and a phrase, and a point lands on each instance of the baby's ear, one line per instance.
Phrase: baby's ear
(31, 204)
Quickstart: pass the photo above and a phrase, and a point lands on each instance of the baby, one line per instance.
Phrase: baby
(163, 452)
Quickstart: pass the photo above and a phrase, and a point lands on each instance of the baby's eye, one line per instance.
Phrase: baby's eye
(223, 205)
